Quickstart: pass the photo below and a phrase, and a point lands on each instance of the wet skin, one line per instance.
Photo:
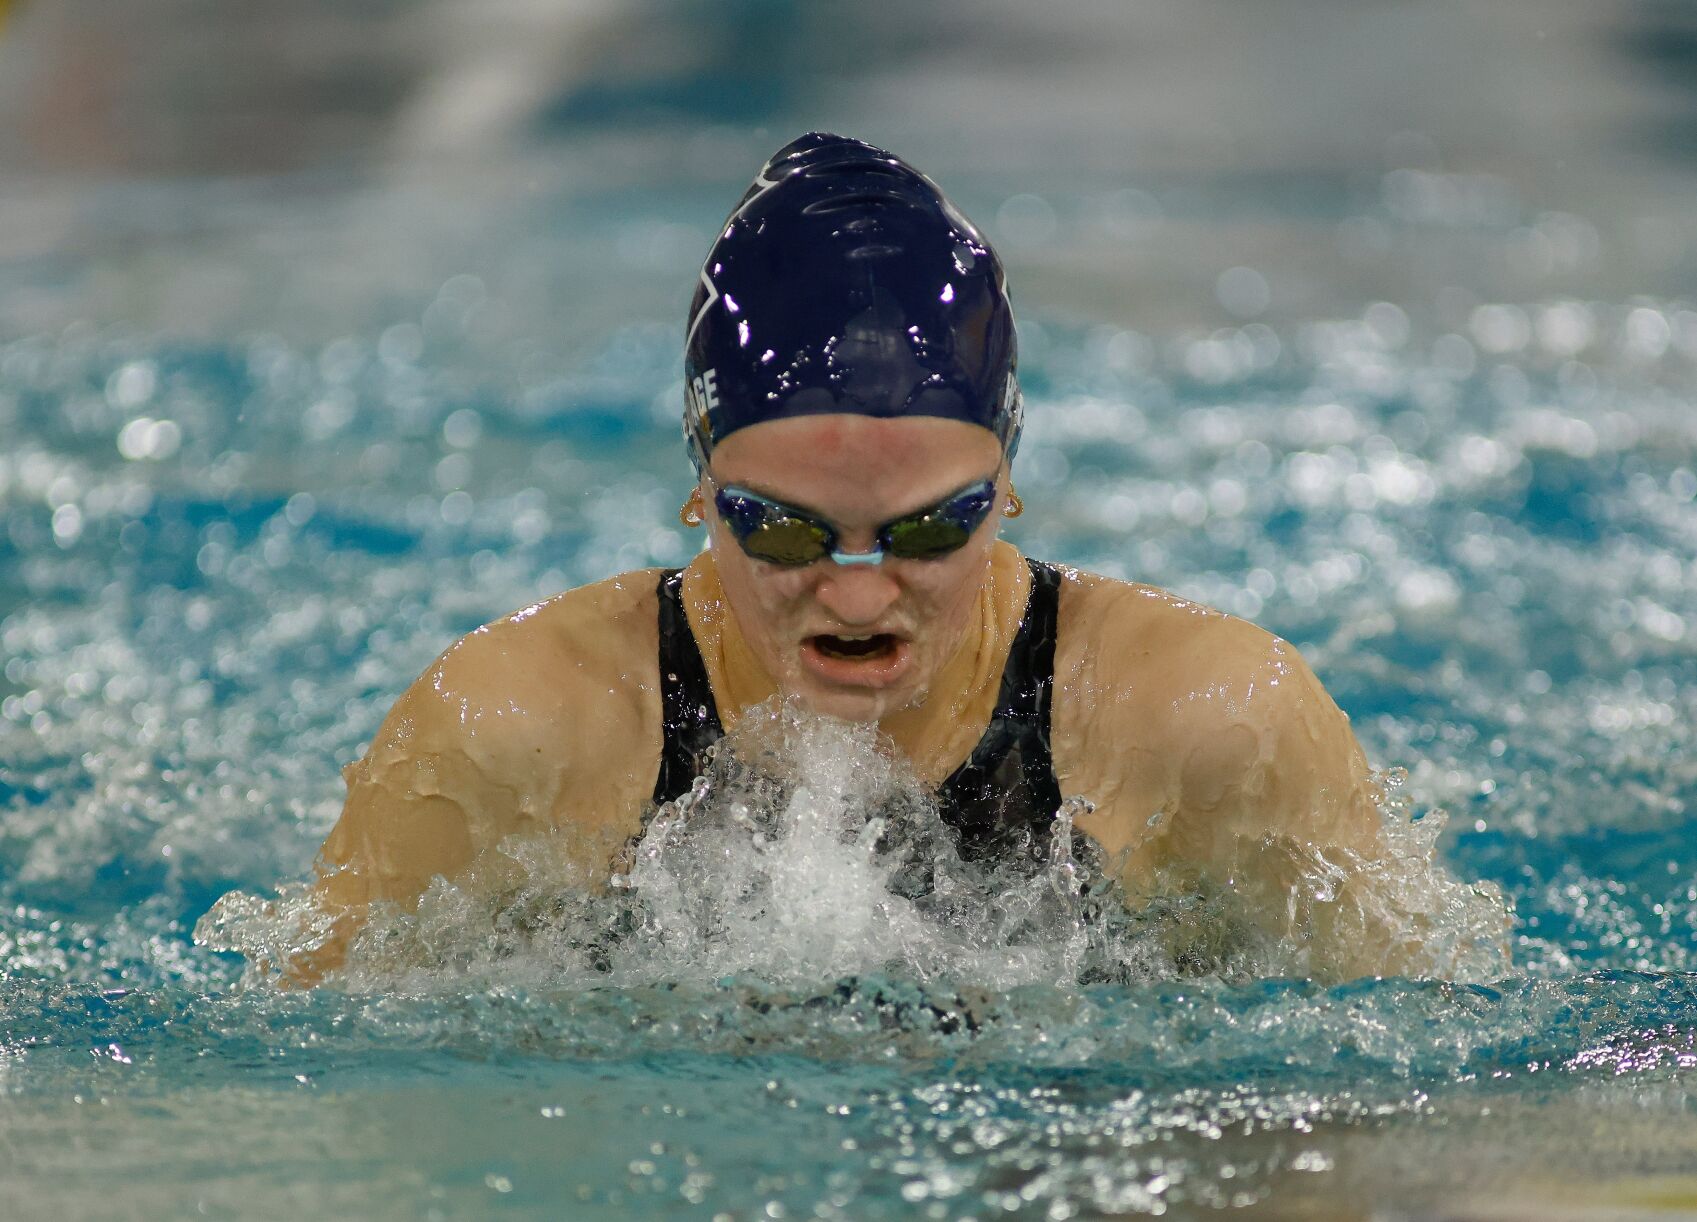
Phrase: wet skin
(856, 473)
(1207, 745)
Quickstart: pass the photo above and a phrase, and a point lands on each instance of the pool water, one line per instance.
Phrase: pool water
(222, 561)
(316, 431)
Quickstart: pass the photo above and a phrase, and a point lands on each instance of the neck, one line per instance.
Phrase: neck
(938, 733)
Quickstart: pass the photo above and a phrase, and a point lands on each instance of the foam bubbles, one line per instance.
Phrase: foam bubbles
(808, 854)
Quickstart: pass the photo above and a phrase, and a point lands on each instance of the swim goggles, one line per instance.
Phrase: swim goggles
(782, 534)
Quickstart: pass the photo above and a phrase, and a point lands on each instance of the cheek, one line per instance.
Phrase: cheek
(949, 596)
(760, 597)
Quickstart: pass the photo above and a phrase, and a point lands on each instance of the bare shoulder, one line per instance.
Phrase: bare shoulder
(575, 626)
(545, 718)
(1125, 637)
(1166, 705)
(1212, 752)
(588, 652)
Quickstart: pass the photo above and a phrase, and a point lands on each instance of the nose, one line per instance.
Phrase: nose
(856, 596)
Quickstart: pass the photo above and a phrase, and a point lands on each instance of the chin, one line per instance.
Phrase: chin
(849, 705)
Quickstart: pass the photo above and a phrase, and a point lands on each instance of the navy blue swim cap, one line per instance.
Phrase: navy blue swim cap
(844, 281)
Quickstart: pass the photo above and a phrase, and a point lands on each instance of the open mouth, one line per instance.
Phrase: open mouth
(870, 661)
(875, 647)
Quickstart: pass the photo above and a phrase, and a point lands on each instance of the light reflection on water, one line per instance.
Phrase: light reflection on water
(1409, 407)
(1489, 569)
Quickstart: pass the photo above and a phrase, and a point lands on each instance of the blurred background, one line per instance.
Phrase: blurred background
(325, 166)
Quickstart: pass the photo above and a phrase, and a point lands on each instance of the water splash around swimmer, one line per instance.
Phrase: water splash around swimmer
(808, 853)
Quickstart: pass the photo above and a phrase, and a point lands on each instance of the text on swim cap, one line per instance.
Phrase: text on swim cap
(703, 392)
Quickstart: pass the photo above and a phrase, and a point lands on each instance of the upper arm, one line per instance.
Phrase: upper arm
(1224, 764)
(1192, 730)
(420, 803)
(1267, 752)
(451, 771)
(546, 723)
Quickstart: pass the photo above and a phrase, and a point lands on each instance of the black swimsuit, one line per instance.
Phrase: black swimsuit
(1001, 799)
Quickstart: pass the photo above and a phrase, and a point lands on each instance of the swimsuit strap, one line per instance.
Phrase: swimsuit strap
(689, 716)
(1005, 795)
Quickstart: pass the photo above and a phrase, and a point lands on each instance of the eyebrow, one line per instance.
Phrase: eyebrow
(808, 511)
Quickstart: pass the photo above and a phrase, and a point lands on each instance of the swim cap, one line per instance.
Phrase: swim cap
(844, 281)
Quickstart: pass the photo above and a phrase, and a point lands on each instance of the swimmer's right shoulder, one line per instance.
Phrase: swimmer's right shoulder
(611, 623)
(547, 719)
(550, 678)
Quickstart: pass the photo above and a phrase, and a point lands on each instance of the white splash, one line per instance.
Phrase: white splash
(809, 852)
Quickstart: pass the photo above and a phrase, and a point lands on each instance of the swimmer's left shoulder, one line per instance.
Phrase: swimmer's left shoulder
(1107, 622)
(1163, 703)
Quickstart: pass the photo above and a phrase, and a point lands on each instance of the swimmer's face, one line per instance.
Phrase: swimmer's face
(809, 625)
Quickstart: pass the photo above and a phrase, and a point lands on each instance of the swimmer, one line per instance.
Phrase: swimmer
(853, 412)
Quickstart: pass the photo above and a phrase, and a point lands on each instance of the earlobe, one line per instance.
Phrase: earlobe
(694, 511)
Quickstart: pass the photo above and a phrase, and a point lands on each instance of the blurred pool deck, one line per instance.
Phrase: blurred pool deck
(198, 169)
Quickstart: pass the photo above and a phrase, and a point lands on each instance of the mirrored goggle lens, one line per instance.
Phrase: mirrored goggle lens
(926, 538)
(787, 541)
(947, 527)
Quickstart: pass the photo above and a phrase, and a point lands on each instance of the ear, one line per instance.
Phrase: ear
(694, 510)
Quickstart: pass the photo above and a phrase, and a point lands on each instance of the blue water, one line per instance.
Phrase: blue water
(1488, 562)
(1420, 401)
